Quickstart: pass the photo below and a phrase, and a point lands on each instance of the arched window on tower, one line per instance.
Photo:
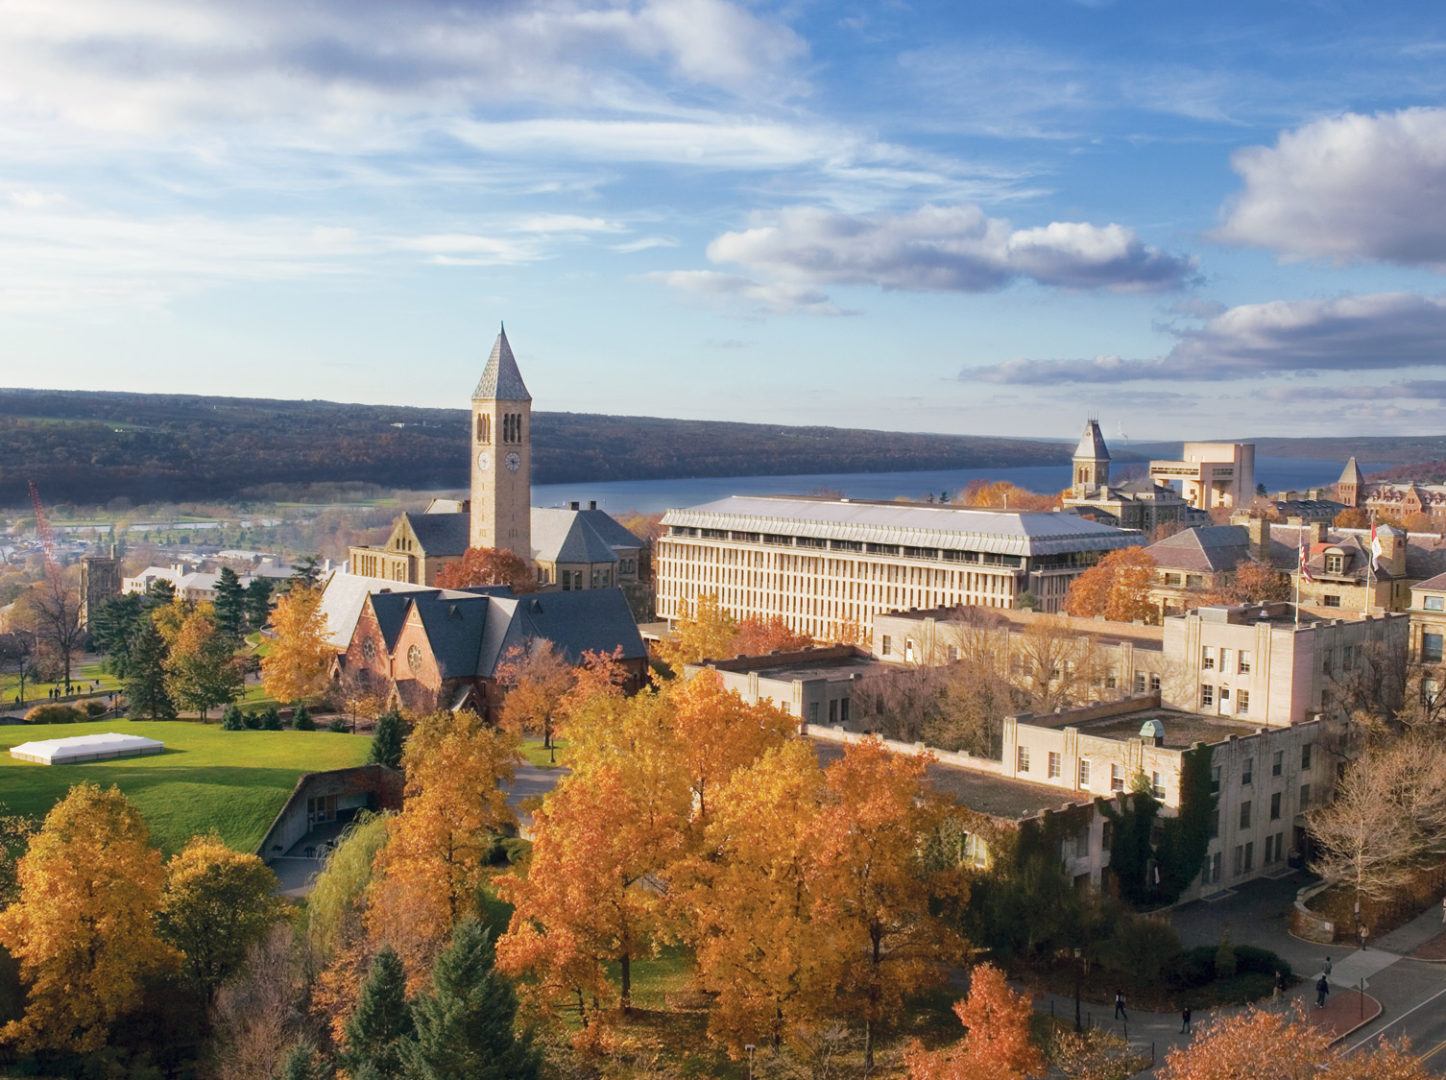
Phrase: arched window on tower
(484, 428)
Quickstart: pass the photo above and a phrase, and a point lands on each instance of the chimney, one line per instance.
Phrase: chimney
(1393, 550)
(1316, 532)
(592, 504)
(574, 505)
(1258, 529)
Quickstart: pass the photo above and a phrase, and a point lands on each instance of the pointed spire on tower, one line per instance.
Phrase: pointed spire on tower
(501, 381)
(1351, 474)
(1092, 444)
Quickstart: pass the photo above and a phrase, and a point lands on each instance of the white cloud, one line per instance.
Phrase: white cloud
(1348, 188)
(770, 297)
(1368, 333)
(644, 243)
(945, 249)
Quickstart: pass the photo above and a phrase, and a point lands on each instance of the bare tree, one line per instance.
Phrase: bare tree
(1056, 667)
(54, 608)
(1367, 687)
(1423, 707)
(258, 1015)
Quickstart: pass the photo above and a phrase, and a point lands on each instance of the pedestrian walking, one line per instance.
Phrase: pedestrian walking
(1279, 982)
(1120, 1005)
(1322, 988)
(1185, 1020)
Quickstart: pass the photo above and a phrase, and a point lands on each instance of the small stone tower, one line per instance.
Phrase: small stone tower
(100, 579)
(1350, 488)
(1091, 461)
(502, 456)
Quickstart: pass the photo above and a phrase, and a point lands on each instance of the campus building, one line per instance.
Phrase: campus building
(1397, 501)
(828, 566)
(1211, 475)
(571, 548)
(1428, 621)
(1134, 503)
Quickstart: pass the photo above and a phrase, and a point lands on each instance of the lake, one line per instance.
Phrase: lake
(651, 496)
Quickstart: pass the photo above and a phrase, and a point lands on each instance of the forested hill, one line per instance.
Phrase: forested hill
(90, 447)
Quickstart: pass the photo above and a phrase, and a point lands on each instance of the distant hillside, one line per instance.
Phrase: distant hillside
(90, 447)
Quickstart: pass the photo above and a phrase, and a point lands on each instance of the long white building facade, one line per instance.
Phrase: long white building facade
(828, 566)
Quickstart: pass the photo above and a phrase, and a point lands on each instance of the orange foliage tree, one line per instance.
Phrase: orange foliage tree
(488, 566)
(84, 926)
(537, 679)
(434, 861)
(1352, 517)
(1117, 587)
(998, 1043)
(705, 632)
(299, 661)
(757, 637)
(875, 891)
(1253, 583)
(1283, 1046)
(1003, 495)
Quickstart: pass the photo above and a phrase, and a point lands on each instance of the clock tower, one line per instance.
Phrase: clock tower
(502, 456)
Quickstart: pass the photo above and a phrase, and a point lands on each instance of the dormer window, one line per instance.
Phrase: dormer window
(1335, 562)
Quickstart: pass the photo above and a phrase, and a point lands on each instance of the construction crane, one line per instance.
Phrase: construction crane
(46, 534)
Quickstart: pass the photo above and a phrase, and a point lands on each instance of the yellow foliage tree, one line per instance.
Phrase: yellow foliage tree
(751, 901)
(298, 663)
(217, 903)
(1117, 587)
(201, 666)
(537, 678)
(428, 873)
(874, 889)
(84, 927)
(706, 632)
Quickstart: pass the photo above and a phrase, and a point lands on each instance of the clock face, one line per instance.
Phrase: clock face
(483, 460)
(514, 461)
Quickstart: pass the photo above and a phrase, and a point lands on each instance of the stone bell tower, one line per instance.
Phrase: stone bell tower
(1091, 461)
(502, 456)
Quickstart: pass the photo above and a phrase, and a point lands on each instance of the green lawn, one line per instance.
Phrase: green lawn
(537, 754)
(81, 676)
(234, 782)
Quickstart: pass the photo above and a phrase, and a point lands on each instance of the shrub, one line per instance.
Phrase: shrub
(252, 720)
(1141, 948)
(1260, 962)
(340, 725)
(271, 718)
(95, 709)
(301, 719)
(55, 714)
(1225, 966)
(232, 719)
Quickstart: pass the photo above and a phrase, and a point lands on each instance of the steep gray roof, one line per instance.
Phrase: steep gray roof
(1351, 474)
(501, 381)
(342, 600)
(1004, 532)
(441, 534)
(578, 536)
(1207, 549)
(1092, 443)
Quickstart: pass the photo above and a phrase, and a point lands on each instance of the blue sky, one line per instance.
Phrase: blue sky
(996, 217)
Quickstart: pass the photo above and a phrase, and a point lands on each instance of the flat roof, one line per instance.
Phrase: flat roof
(1019, 619)
(956, 528)
(1182, 729)
(998, 796)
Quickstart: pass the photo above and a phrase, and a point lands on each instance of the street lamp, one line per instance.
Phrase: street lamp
(750, 1048)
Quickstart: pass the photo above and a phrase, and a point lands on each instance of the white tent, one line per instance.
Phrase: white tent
(79, 748)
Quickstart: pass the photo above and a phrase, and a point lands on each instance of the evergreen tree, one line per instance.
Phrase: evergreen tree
(387, 740)
(232, 718)
(116, 622)
(146, 675)
(230, 604)
(270, 718)
(304, 1064)
(305, 573)
(258, 602)
(464, 1024)
(159, 592)
(382, 1024)
(301, 719)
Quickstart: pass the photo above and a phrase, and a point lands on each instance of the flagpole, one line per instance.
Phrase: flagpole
(1370, 563)
(1299, 569)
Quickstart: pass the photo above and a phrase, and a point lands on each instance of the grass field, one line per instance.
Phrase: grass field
(81, 676)
(234, 782)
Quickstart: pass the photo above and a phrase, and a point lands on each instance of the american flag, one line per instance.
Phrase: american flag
(1305, 557)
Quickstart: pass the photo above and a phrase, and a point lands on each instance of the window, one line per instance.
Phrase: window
(1207, 695)
(1215, 824)
(1304, 796)
(1277, 763)
(1053, 765)
(1305, 756)
(1247, 771)
(953, 654)
(1275, 807)
(1215, 780)
(1435, 603)
(1431, 648)
(1110, 681)
(1215, 867)
(886, 645)
(1139, 682)
(1157, 786)
(1224, 694)
(1330, 600)
(833, 712)
(909, 648)
(1244, 668)
(1023, 754)
(813, 712)
(1335, 563)
(1242, 701)
(1154, 683)
(1207, 658)
(1245, 814)
(1084, 772)
(1239, 860)
(1249, 856)
(843, 711)
(1117, 778)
